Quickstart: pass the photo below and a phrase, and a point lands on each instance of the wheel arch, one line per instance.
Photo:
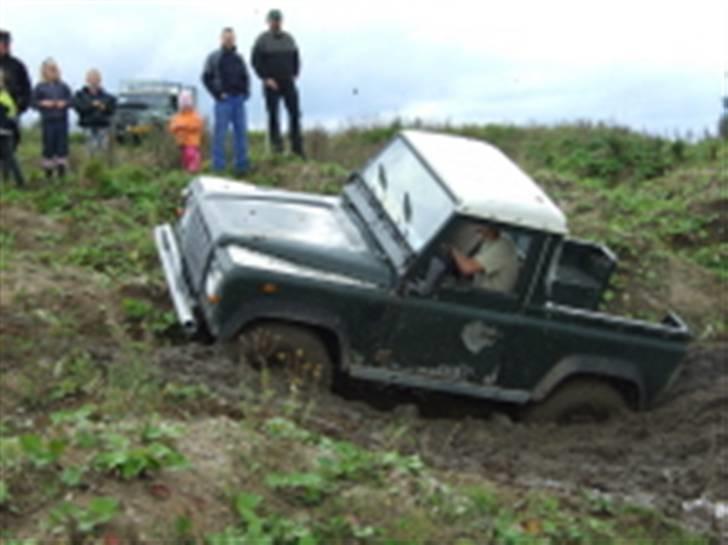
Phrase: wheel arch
(623, 375)
(327, 326)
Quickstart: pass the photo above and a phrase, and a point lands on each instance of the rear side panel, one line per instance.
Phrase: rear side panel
(644, 355)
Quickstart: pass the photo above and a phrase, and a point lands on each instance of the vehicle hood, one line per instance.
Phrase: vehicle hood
(313, 232)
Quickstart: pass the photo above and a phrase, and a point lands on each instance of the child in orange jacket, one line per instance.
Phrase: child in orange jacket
(187, 127)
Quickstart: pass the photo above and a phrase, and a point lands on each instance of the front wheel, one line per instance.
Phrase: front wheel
(579, 400)
(291, 358)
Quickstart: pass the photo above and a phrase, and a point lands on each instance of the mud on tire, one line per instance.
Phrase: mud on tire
(579, 400)
(289, 357)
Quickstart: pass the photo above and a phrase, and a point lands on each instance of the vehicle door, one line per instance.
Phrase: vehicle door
(457, 330)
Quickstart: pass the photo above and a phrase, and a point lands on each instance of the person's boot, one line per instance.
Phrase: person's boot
(48, 174)
(61, 169)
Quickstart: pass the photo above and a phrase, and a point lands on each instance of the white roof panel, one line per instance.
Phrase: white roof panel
(486, 183)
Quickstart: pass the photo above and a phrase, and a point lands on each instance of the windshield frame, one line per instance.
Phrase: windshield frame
(372, 218)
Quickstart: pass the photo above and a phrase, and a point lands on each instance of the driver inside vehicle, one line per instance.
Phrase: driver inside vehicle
(494, 264)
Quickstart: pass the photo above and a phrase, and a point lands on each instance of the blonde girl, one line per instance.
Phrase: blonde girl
(52, 98)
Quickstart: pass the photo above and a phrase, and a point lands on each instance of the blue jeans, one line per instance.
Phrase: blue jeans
(230, 110)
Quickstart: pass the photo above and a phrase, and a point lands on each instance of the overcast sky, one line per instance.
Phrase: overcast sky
(652, 64)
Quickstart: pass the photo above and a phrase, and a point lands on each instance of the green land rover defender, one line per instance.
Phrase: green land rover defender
(365, 284)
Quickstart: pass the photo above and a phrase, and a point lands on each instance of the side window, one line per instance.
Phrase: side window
(487, 256)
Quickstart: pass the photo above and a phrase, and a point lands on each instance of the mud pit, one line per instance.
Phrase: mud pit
(673, 458)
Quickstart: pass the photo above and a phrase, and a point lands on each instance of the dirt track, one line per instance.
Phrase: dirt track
(668, 458)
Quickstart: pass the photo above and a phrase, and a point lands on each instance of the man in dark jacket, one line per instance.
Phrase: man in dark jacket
(226, 78)
(95, 108)
(17, 80)
(277, 62)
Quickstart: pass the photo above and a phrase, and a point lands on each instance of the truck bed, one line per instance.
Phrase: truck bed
(671, 327)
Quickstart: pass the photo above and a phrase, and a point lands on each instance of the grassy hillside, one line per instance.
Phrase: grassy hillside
(101, 441)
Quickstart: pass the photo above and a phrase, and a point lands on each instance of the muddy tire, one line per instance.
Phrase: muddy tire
(289, 357)
(578, 401)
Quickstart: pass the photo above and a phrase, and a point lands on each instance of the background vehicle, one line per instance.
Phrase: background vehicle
(145, 106)
(362, 285)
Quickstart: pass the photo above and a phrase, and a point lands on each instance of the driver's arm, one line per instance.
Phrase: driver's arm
(466, 265)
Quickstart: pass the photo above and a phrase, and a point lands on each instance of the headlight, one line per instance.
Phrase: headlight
(213, 283)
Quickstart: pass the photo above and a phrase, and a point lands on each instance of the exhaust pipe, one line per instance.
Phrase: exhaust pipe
(172, 265)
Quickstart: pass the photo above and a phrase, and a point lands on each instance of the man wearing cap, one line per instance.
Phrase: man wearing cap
(16, 76)
(226, 78)
(277, 62)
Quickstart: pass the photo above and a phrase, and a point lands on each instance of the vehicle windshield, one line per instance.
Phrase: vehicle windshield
(409, 193)
(150, 101)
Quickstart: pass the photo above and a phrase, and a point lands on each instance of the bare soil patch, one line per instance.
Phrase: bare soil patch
(666, 458)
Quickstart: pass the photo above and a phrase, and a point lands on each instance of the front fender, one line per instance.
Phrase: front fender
(596, 366)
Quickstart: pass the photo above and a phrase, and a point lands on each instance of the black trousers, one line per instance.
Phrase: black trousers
(8, 159)
(289, 93)
(55, 140)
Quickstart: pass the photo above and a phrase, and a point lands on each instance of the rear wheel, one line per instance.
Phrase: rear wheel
(290, 358)
(577, 401)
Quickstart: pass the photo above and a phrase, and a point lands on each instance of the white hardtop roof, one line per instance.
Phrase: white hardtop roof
(486, 183)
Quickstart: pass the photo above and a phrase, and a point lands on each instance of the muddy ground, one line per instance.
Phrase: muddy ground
(673, 458)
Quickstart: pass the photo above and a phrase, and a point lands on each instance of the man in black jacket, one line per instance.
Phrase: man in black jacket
(17, 80)
(95, 108)
(277, 62)
(226, 78)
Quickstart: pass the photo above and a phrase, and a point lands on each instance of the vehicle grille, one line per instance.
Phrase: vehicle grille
(195, 245)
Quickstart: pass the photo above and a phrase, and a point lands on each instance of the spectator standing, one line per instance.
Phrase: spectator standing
(52, 98)
(277, 62)
(95, 108)
(187, 127)
(225, 76)
(17, 81)
(9, 132)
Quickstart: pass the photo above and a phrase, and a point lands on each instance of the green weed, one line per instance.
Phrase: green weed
(185, 392)
(4, 493)
(308, 488)
(258, 529)
(73, 476)
(74, 417)
(128, 461)
(74, 519)
(42, 452)
(151, 317)
(75, 374)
